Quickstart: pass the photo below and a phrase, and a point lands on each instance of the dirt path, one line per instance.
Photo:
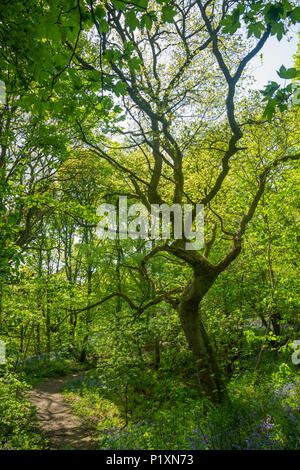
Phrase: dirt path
(64, 429)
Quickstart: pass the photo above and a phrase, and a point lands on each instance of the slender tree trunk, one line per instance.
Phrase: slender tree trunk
(21, 338)
(156, 353)
(48, 330)
(118, 279)
(38, 340)
(275, 315)
(23, 360)
(89, 274)
(1, 300)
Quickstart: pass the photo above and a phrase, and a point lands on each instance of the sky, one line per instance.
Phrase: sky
(275, 53)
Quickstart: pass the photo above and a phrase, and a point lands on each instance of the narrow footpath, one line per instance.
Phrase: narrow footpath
(64, 429)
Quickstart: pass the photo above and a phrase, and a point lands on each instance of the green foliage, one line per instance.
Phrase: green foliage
(258, 16)
(288, 73)
(149, 100)
(260, 417)
(168, 14)
(40, 369)
(17, 427)
(120, 88)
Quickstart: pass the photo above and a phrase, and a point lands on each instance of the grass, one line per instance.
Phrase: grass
(262, 414)
(18, 429)
(44, 369)
(159, 412)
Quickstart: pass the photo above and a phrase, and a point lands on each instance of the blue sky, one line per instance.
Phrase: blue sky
(275, 53)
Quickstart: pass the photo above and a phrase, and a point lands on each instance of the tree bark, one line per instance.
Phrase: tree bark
(210, 380)
(156, 353)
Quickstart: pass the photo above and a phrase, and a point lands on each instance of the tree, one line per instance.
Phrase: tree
(133, 60)
(177, 68)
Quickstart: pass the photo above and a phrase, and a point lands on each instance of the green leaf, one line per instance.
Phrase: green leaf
(286, 5)
(117, 109)
(103, 26)
(99, 12)
(231, 22)
(120, 88)
(270, 89)
(270, 110)
(168, 14)
(256, 29)
(278, 30)
(288, 73)
(230, 26)
(143, 4)
(295, 15)
(131, 20)
(256, 6)
(134, 64)
(273, 13)
(75, 78)
(119, 5)
(94, 76)
(73, 19)
(146, 20)
(107, 102)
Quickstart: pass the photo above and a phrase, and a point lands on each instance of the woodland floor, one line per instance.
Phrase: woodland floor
(62, 427)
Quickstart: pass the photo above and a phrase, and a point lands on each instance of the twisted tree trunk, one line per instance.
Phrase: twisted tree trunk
(210, 380)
